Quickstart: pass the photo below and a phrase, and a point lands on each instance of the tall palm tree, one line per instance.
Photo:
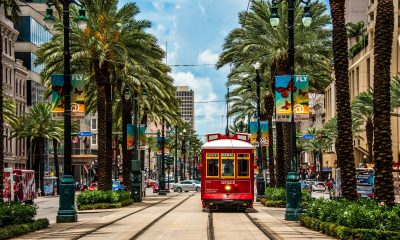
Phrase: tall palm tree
(11, 9)
(383, 158)
(256, 40)
(345, 154)
(362, 109)
(114, 41)
(38, 127)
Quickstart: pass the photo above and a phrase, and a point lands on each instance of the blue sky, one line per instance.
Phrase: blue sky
(195, 30)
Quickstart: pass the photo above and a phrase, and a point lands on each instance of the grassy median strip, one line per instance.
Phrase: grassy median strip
(20, 229)
(103, 200)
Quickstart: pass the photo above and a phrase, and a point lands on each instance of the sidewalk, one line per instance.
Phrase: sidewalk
(91, 224)
(273, 220)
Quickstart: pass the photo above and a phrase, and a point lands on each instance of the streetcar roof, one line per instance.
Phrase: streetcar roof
(226, 144)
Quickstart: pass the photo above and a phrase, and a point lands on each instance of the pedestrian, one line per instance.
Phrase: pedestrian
(329, 184)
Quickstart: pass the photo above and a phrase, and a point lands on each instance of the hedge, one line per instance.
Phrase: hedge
(105, 205)
(19, 229)
(276, 197)
(102, 199)
(342, 232)
(270, 203)
(16, 213)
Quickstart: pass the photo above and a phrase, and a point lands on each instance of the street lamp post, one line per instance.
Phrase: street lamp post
(260, 178)
(183, 176)
(161, 177)
(66, 212)
(176, 154)
(293, 190)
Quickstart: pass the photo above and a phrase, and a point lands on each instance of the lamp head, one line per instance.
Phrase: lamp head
(49, 19)
(274, 18)
(307, 18)
(257, 65)
(82, 19)
(184, 130)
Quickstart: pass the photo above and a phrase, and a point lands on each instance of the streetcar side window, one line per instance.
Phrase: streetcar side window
(243, 165)
(212, 165)
(228, 165)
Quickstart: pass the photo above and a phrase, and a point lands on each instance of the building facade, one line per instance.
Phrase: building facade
(14, 88)
(361, 71)
(186, 103)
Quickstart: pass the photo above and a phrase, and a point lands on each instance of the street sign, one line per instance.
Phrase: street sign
(308, 136)
(85, 134)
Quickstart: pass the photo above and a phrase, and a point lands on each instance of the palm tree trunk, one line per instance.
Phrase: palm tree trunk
(41, 155)
(269, 109)
(56, 164)
(109, 136)
(286, 147)
(103, 182)
(345, 152)
(126, 154)
(280, 164)
(382, 133)
(369, 129)
(321, 167)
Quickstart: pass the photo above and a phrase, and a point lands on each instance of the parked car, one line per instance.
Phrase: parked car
(93, 186)
(187, 185)
(156, 187)
(319, 186)
(150, 182)
(117, 186)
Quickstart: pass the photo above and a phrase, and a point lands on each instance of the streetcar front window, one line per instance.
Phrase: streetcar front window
(228, 167)
(212, 167)
(243, 165)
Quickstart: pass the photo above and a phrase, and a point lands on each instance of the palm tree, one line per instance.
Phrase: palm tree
(383, 158)
(256, 40)
(355, 30)
(38, 127)
(322, 142)
(113, 44)
(362, 109)
(345, 154)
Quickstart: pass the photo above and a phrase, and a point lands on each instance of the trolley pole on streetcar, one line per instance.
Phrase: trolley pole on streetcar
(260, 178)
(293, 190)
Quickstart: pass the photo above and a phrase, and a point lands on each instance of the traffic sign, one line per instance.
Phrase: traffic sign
(308, 136)
(85, 134)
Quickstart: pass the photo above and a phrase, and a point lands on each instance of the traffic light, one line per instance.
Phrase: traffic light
(168, 160)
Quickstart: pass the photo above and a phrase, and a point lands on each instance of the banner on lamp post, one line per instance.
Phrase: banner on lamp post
(283, 90)
(130, 139)
(77, 96)
(263, 130)
(301, 104)
(253, 132)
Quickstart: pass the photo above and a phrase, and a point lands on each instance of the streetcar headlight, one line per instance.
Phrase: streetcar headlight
(228, 188)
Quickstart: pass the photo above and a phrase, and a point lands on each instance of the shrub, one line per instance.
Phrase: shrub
(279, 203)
(90, 197)
(19, 229)
(16, 213)
(275, 194)
(102, 199)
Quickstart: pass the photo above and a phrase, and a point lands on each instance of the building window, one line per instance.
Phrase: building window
(94, 139)
(94, 124)
(5, 46)
(368, 73)
(357, 80)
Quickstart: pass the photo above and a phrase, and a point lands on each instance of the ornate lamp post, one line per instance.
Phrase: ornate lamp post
(66, 211)
(161, 176)
(293, 191)
(260, 178)
(176, 154)
(183, 173)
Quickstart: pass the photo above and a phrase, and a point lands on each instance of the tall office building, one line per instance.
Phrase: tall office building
(14, 82)
(33, 34)
(186, 98)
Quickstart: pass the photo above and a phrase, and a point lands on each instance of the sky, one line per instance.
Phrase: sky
(194, 31)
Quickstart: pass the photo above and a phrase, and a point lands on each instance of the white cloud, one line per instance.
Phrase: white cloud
(158, 5)
(203, 92)
(207, 57)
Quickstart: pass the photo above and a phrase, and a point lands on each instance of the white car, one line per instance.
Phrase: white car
(319, 186)
(187, 185)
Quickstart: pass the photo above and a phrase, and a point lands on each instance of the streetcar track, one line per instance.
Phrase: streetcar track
(143, 230)
(265, 231)
(118, 219)
(211, 234)
(210, 227)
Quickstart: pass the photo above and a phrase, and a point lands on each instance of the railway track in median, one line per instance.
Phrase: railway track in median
(212, 231)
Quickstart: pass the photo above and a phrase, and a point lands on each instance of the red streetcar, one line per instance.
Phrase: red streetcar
(227, 176)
